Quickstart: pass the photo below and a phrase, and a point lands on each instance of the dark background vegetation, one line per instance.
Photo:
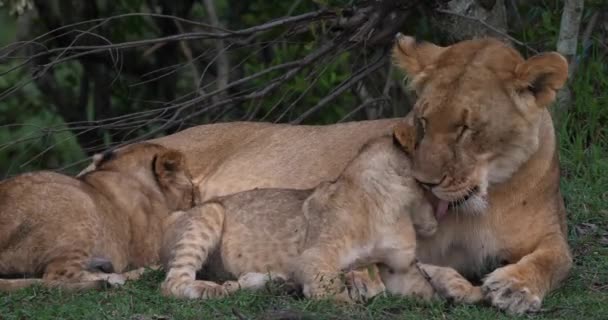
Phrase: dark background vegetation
(78, 77)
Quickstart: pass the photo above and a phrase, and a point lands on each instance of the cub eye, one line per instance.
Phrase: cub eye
(420, 130)
(462, 130)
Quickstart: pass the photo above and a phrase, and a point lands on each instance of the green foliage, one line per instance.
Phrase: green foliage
(16, 7)
(32, 136)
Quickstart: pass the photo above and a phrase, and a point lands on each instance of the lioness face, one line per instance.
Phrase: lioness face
(477, 116)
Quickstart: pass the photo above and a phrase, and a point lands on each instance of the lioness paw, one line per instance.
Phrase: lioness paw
(509, 293)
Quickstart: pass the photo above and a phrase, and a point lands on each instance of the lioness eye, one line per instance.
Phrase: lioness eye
(420, 130)
(462, 130)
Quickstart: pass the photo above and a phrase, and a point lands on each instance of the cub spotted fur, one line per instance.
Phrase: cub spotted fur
(56, 230)
(366, 216)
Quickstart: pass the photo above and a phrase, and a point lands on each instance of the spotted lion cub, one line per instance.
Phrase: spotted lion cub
(82, 233)
(367, 216)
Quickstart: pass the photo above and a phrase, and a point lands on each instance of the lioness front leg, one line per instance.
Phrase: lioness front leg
(521, 287)
(189, 240)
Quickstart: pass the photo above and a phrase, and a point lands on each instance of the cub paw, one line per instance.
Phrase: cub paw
(231, 286)
(338, 296)
(196, 289)
(450, 285)
(362, 286)
(509, 293)
(111, 279)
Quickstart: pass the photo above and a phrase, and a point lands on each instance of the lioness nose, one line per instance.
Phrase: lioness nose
(430, 185)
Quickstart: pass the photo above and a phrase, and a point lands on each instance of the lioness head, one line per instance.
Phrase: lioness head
(477, 116)
(154, 165)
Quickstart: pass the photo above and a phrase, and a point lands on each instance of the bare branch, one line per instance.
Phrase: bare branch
(223, 64)
(341, 88)
(364, 105)
(489, 26)
(364, 32)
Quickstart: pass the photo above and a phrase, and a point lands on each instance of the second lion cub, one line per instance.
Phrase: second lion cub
(367, 216)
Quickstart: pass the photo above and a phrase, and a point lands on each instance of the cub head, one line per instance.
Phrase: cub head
(155, 167)
(477, 116)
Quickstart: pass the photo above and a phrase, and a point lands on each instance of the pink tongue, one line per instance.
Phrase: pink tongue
(441, 209)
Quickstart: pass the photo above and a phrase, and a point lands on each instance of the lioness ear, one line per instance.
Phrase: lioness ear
(404, 134)
(168, 164)
(414, 57)
(543, 75)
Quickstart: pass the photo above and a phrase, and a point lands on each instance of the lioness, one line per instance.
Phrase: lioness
(366, 216)
(62, 228)
(482, 121)
(485, 148)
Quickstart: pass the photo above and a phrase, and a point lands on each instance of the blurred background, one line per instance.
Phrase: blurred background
(78, 77)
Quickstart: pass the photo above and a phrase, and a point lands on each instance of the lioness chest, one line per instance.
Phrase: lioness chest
(466, 243)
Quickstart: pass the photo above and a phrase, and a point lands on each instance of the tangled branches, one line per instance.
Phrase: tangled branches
(166, 71)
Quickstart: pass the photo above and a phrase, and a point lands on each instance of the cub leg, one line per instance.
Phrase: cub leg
(9, 285)
(189, 241)
(73, 270)
(449, 284)
(318, 271)
(409, 283)
(73, 266)
(104, 265)
(423, 218)
(398, 269)
(257, 280)
(428, 281)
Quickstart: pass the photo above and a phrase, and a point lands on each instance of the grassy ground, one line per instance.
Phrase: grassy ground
(584, 157)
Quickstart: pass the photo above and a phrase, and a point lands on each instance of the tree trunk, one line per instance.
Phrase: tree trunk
(567, 45)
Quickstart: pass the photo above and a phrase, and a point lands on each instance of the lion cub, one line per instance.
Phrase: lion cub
(366, 216)
(61, 228)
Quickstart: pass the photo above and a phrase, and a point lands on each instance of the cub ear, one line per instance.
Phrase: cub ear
(168, 165)
(543, 74)
(414, 57)
(404, 134)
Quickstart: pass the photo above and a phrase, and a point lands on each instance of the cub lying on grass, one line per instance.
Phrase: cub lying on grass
(63, 228)
(366, 216)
